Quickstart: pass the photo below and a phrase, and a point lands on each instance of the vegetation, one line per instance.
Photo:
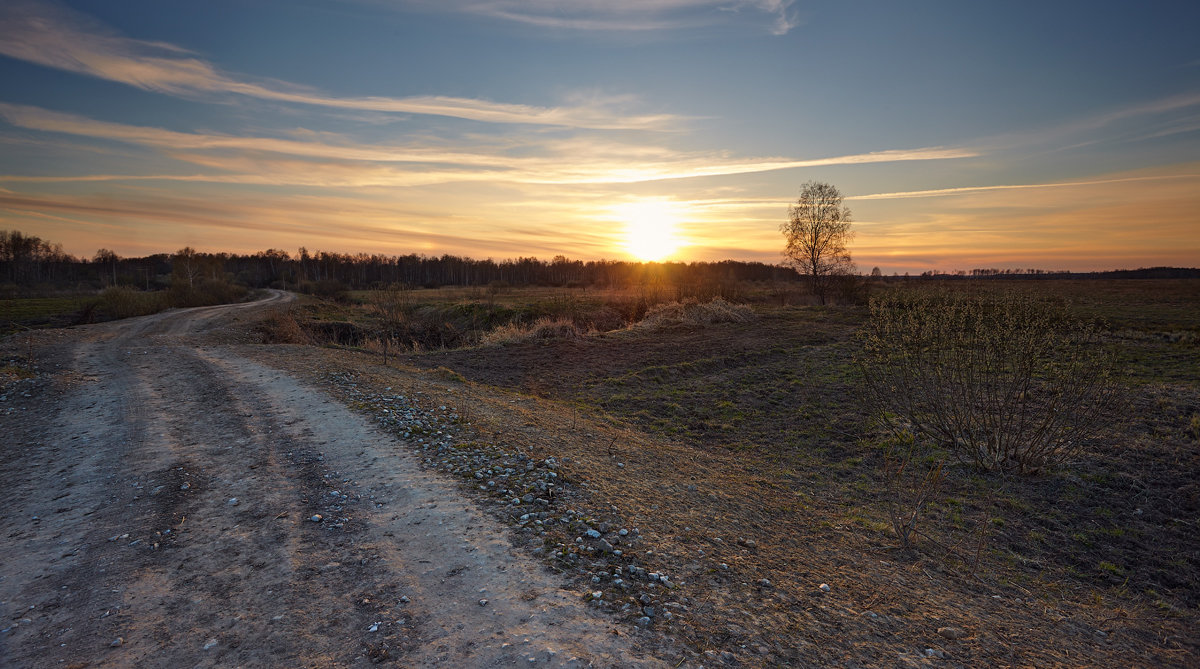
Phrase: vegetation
(1001, 381)
(758, 432)
(388, 303)
(817, 234)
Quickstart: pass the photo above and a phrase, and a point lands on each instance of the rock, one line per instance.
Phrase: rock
(233, 501)
(117, 643)
(824, 587)
(593, 534)
(643, 621)
(316, 518)
(764, 582)
(210, 644)
(373, 628)
(953, 633)
(483, 602)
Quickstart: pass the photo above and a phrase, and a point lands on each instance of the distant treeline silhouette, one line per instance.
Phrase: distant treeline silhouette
(1140, 273)
(28, 263)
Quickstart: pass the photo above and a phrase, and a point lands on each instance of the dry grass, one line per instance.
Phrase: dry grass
(729, 432)
(694, 314)
(541, 329)
(280, 326)
(700, 508)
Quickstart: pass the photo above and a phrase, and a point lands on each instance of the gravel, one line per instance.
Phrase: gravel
(546, 510)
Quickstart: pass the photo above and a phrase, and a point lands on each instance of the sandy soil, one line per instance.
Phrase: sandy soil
(160, 501)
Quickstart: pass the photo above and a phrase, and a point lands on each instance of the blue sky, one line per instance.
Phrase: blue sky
(1053, 135)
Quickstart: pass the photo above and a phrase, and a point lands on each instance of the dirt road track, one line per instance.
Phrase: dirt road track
(123, 545)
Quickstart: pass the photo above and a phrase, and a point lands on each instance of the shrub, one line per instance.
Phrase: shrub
(202, 294)
(122, 302)
(910, 484)
(1002, 382)
(328, 289)
(281, 327)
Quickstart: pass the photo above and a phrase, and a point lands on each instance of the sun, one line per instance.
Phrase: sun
(650, 228)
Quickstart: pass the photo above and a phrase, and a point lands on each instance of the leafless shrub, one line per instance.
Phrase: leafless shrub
(281, 327)
(911, 483)
(390, 303)
(122, 302)
(1003, 382)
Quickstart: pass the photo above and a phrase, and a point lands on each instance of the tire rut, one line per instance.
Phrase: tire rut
(175, 490)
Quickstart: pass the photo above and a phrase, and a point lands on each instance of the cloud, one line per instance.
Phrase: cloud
(624, 15)
(581, 160)
(1125, 219)
(943, 192)
(1126, 123)
(59, 38)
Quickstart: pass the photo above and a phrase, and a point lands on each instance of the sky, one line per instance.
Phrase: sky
(963, 135)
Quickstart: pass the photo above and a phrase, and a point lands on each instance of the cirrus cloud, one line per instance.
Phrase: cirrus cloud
(57, 37)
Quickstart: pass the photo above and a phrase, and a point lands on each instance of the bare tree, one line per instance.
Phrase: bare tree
(817, 232)
(106, 256)
(185, 264)
(389, 303)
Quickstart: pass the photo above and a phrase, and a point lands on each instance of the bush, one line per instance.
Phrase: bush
(911, 483)
(281, 327)
(1002, 382)
(327, 289)
(122, 302)
(204, 293)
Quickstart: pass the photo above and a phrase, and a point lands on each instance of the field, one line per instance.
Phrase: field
(23, 313)
(743, 453)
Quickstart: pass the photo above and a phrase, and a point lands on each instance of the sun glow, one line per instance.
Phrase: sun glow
(650, 228)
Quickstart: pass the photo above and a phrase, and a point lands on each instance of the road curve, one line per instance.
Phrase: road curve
(159, 513)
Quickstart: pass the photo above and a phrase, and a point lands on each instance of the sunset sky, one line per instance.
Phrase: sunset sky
(1061, 135)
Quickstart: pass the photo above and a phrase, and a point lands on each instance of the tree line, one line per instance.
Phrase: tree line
(28, 262)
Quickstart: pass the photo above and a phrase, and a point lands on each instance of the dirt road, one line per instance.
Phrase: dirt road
(169, 504)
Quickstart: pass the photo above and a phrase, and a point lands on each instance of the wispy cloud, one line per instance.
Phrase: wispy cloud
(964, 190)
(580, 160)
(60, 38)
(1124, 219)
(1127, 123)
(625, 15)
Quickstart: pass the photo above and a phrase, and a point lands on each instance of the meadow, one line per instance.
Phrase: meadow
(727, 421)
(756, 432)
